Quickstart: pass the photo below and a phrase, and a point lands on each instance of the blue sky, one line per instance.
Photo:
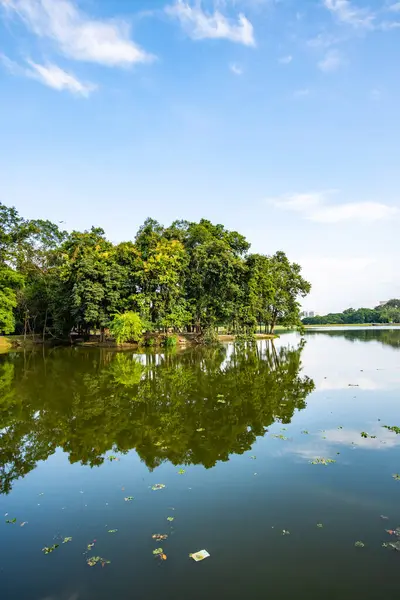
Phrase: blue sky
(276, 118)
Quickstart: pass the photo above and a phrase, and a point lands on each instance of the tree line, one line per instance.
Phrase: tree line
(385, 313)
(186, 277)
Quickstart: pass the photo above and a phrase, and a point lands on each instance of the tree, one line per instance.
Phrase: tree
(92, 277)
(288, 287)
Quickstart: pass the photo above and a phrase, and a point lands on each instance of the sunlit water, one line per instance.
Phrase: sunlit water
(81, 430)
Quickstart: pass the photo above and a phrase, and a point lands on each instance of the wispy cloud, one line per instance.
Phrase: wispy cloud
(317, 207)
(331, 61)
(236, 69)
(50, 75)
(76, 35)
(286, 60)
(395, 7)
(347, 13)
(200, 25)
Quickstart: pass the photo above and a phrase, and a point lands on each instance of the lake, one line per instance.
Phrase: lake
(260, 451)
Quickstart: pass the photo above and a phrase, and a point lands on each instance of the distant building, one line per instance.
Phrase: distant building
(305, 314)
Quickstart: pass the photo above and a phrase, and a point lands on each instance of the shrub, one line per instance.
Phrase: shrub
(127, 327)
(171, 341)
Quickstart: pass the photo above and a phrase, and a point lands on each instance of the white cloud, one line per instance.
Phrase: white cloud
(236, 69)
(315, 206)
(50, 75)
(299, 202)
(76, 35)
(358, 211)
(58, 79)
(285, 60)
(301, 93)
(200, 25)
(395, 7)
(331, 61)
(347, 13)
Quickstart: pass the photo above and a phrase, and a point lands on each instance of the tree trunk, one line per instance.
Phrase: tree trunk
(45, 324)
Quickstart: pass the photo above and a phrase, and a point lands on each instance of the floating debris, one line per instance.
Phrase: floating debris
(319, 525)
(67, 539)
(200, 429)
(278, 436)
(396, 476)
(359, 544)
(364, 434)
(181, 471)
(112, 531)
(384, 517)
(90, 545)
(170, 519)
(200, 555)
(285, 532)
(95, 560)
(159, 536)
(11, 521)
(24, 523)
(253, 457)
(128, 499)
(50, 549)
(305, 432)
(158, 551)
(322, 461)
(112, 457)
(158, 486)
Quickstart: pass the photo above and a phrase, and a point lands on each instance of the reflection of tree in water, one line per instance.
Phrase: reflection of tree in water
(88, 402)
(387, 337)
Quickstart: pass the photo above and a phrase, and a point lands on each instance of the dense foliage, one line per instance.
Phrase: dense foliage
(186, 277)
(385, 313)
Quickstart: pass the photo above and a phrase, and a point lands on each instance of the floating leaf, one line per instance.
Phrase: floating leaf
(163, 556)
(220, 396)
(393, 428)
(159, 536)
(278, 437)
(305, 432)
(200, 429)
(340, 427)
(112, 530)
(322, 461)
(67, 539)
(359, 544)
(158, 486)
(95, 560)
(170, 519)
(181, 471)
(253, 457)
(90, 545)
(396, 476)
(11, 521)
(128, 498)
(364, 434)
(112, 457)
(319, 525)
(221, 401)
(49, 549)
(158, 551)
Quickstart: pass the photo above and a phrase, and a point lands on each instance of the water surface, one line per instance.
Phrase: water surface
(83, 429)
